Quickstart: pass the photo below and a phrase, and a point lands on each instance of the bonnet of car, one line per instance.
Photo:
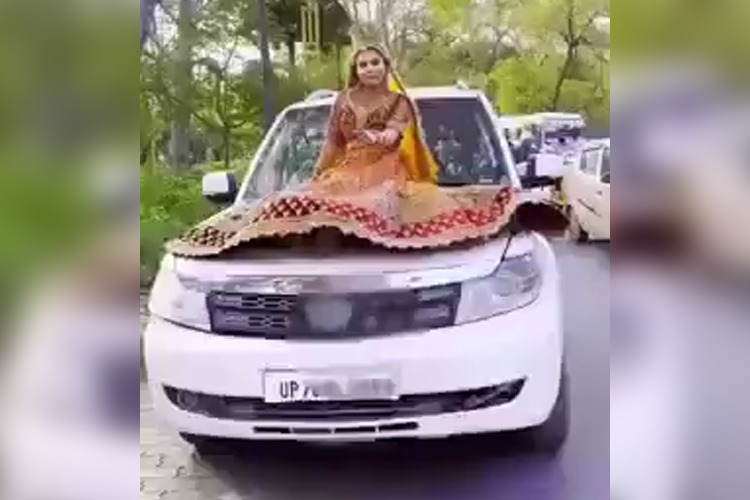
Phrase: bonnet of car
(467, 261)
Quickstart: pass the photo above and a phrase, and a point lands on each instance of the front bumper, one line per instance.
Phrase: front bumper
(523, 345)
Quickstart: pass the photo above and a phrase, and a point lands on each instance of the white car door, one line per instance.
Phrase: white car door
(583, 191)
(601, 198)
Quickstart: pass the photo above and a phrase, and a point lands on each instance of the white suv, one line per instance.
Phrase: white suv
(439, 343)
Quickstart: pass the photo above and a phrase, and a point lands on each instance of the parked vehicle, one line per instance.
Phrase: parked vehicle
(586, 187)
(544, 144)
(433, 343)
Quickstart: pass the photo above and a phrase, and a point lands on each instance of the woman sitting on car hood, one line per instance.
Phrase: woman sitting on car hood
(375, 179)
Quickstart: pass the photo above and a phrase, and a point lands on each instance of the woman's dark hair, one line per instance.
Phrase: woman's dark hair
(353, 78)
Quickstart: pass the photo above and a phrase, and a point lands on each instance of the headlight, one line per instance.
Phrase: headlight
(514, 284)
(178, 300)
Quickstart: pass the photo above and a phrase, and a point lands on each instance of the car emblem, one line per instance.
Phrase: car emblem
(328, 314)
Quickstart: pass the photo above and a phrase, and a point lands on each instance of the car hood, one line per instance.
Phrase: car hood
(272, 272)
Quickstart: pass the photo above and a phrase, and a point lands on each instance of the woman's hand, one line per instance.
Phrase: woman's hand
(388, 137)
(370, 136)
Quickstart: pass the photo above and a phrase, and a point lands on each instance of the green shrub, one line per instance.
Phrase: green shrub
(171, 202)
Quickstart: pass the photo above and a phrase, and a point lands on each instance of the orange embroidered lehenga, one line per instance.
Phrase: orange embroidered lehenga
(364, 190)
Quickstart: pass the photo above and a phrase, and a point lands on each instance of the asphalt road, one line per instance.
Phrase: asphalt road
(468, 469)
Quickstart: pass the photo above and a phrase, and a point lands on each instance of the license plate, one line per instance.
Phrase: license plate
(294, 387)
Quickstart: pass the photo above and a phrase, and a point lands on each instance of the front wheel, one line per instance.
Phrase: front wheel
(576, 233)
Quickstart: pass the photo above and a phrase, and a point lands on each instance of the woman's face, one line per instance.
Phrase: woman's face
(371, 68)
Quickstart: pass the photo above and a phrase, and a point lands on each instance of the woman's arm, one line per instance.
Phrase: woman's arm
(399, 122)
(335, 141)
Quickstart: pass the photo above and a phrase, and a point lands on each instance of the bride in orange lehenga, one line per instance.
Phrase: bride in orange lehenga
(375, 179)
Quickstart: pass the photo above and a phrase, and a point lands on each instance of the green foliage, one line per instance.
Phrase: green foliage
(435, 67)
(170, 204)
(323, 72)
(521, 85)
(450, 13)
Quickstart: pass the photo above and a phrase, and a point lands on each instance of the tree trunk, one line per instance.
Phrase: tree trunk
(265, 56)
(291, 50)
(572, 41)
(564, 72)
(179, 144)
(227, 148)
(147, 19)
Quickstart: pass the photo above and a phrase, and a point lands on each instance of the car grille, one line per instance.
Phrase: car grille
(306, 317)
(255, 409)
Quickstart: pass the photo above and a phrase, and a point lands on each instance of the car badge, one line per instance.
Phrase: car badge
(328, 314)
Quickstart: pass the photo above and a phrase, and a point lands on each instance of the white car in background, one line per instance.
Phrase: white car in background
(459, 341)
(545, 143)
(586, 186)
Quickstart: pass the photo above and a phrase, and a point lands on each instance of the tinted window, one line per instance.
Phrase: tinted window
(459, 132)
(291, 152)
(463, 140)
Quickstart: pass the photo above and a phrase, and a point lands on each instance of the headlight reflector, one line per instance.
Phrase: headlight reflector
(516, 283)
(175, 300)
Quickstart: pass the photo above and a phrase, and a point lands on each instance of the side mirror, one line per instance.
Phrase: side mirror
(220, 187)
(541, 218)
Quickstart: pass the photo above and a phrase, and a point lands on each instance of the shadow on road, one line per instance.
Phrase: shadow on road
(475, 467)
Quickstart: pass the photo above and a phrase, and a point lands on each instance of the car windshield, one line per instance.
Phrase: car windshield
(563, 137)
(459, 132)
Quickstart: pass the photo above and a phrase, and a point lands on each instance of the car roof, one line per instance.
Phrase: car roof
(328, 97)
(515, 121)
(556, 115)
(599, 142)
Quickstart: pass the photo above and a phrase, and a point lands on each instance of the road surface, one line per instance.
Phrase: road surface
(470, 469)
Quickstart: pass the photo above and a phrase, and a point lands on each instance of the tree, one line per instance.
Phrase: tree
(286, 24)
(397, 25)
(182, 76)
(521, 85)
(147, 18)
(563, 28)
(284, 16)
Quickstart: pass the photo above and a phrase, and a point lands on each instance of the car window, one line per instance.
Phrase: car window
(459, 132)
(590, 162)
(463, 140)
(293, 146)
(604, 175)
